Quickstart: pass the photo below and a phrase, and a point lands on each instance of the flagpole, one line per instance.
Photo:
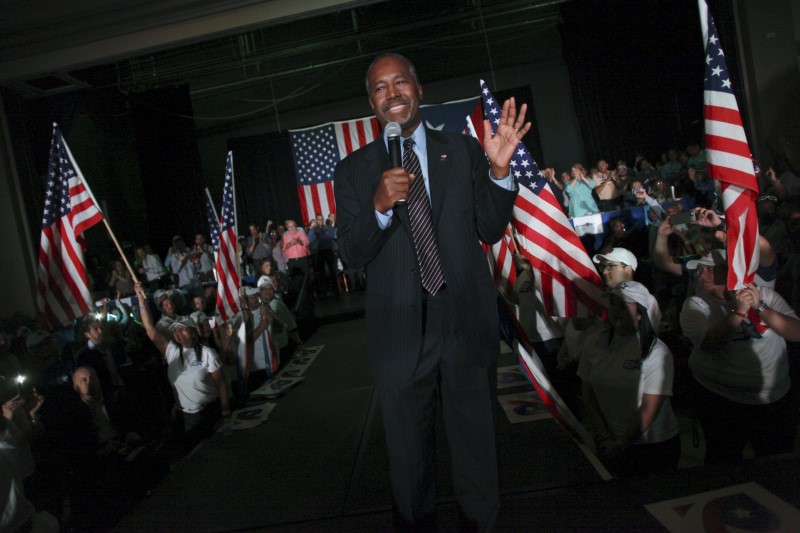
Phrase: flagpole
(211, 203)
(513, 238)
(216, 217)
(119, 249)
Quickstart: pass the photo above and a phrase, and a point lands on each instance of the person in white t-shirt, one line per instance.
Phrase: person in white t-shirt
(627, 375)
(283, 327)
(263, 362)
(739, 361)
(194, 370)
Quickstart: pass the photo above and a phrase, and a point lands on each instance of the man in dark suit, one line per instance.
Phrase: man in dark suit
(430, 336)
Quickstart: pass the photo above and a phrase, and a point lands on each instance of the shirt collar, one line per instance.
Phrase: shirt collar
(419, 136)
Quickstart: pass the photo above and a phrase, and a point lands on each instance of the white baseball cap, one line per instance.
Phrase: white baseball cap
(635, 292)
(710, 258)
(618, 254)
(184, 321)
(250, 291)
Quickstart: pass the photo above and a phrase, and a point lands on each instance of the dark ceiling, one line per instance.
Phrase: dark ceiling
(319, 59)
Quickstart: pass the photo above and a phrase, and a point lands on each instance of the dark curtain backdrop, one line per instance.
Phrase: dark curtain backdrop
(636, 70)
(265, 184)
(96, 126)
(169, 161)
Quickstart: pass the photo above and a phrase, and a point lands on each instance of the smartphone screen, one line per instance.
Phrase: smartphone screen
(681, 218)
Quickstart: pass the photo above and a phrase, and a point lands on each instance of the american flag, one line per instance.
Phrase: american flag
(213, 222)
(228, 257)
(565, 276)
(69, 209)
(505, 271)
(729, 159)
(534, 370)
(316, 150)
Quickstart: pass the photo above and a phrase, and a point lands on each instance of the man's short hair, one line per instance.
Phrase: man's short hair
(92, 374)
(88, 321)
(411, 67)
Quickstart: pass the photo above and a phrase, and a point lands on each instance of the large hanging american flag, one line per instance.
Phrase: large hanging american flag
(63, 292)
(228, 256)
(729, 158)
(565, 276)
(316, 150)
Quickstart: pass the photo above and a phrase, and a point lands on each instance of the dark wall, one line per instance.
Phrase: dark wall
(265, 184)
(636, 72)
(772, 36)
(96, 126)
(137, 154)
(169, 160)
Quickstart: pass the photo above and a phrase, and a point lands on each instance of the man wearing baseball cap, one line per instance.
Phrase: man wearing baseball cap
(616, 266)
(627, 375)
(195, 372)
(264, 361)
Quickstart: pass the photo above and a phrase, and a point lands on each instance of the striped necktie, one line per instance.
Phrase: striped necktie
(419, 214)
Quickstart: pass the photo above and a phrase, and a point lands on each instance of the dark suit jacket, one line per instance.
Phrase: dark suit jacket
(466, 209)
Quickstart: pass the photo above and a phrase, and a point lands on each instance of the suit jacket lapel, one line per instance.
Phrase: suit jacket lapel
(378, 160)
(438, 169)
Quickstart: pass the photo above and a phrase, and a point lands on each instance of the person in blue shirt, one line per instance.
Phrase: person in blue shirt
(579, 192)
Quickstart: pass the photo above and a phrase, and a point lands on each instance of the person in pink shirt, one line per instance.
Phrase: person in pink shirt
(294, 244)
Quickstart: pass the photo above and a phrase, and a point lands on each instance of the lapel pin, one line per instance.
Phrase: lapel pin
(443, 158)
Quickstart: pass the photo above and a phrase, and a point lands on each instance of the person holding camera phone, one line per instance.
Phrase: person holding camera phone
(767, 268)
(740, 365)
(257, 246)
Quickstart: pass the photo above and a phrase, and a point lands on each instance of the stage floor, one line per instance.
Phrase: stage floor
(319, 464)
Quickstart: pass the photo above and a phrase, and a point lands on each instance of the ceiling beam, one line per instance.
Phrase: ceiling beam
(158, 37)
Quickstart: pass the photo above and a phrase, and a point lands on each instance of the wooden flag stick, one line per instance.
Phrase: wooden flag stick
(513, 239)
(119, 249)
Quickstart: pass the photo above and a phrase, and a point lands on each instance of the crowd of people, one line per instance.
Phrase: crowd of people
(675, 338)
(94, 413)
(135, 384)
(680, 174)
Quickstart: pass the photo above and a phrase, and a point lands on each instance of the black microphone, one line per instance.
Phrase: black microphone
(393, 131)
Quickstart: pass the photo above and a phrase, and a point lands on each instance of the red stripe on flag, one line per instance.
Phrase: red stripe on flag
(304, 202)
(316, 205)
(731, 146)
(348, 143)
(376, 127)
(331, 201)
(731, 176)
(69, 258)
(362, 137)
(723, 114)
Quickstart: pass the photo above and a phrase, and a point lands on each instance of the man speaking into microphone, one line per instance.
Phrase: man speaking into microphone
(432, 327)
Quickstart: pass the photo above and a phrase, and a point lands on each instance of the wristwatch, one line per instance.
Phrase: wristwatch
(762, 306)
